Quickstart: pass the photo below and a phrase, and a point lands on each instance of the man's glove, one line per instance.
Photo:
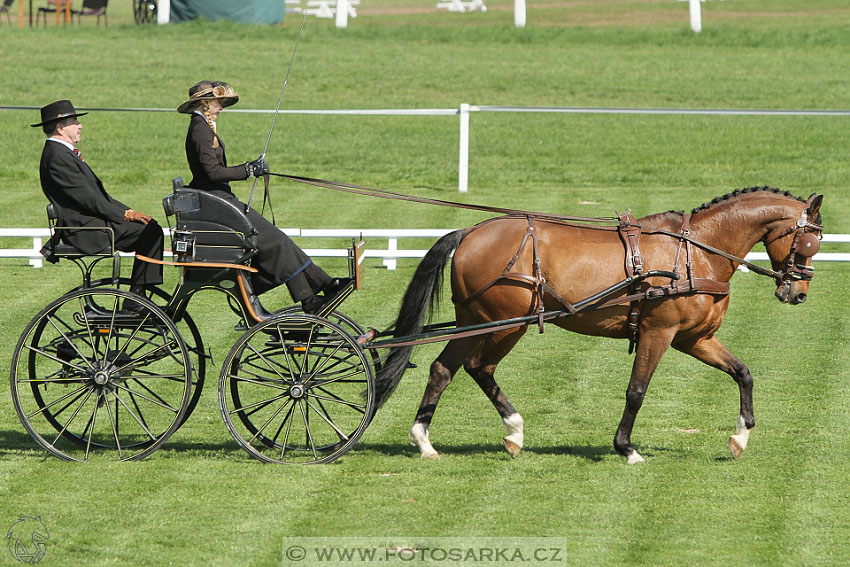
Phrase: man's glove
(257, 167)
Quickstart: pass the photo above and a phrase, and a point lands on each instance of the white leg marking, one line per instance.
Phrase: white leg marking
(514, 439)
(738, 442)
(419, 438)
(633, 458)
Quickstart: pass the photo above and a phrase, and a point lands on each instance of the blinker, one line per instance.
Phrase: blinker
(808, 244)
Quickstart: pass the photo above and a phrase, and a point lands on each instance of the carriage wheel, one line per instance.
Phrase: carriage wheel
(144, 11)
(87, 376)
(188, 332)
(297, 389)
(351, 326)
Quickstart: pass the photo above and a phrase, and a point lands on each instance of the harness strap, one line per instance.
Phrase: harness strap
(629, 232)
(536, 280)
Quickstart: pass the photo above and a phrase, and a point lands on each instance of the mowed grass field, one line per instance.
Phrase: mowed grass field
(200, 500)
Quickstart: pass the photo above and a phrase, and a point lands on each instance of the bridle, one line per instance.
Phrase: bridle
(806, 243)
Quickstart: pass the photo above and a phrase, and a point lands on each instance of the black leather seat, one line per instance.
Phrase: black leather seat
(209, 228)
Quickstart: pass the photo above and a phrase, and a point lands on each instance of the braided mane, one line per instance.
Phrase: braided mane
(737, 192)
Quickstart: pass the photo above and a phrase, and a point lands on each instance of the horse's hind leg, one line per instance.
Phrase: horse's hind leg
(441, 373)
(714, 353)
(482, 366)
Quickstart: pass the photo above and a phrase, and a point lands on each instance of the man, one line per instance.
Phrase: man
(80, 200)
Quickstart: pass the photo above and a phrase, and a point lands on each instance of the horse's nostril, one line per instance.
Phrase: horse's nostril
(800, 298)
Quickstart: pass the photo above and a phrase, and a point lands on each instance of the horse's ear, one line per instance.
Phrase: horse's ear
(814, 203)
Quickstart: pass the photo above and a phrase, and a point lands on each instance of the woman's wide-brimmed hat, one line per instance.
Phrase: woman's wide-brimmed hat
(209, 90)
(56, 111)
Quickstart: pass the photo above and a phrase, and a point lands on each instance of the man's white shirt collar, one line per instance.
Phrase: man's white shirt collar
(63, 142)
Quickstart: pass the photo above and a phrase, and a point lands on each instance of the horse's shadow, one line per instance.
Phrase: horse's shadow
(587, 452)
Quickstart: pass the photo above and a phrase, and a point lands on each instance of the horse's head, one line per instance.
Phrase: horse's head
(791, 248)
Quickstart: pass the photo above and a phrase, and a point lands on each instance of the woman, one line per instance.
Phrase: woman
(279, 260)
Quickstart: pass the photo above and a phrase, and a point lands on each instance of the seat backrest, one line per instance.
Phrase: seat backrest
(94, 5)
(216, 229)
(6, 5)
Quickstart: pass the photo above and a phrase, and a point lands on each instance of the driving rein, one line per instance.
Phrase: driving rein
(806, 243)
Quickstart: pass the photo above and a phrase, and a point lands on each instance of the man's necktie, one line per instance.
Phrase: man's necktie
(78, 154)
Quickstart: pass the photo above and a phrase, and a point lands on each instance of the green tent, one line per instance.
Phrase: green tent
(242, 11)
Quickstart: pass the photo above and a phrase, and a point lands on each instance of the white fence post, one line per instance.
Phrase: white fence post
(341, 20)
(696, 15)
(163, 12)
(519, 13)
(392, 246)
(463, 158)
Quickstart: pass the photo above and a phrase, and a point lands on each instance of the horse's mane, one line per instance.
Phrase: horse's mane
(737, 192)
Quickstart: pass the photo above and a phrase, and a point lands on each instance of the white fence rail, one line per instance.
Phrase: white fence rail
(464, 111)
(390, 254)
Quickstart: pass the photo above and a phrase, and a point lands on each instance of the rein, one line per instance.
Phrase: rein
(371, 192)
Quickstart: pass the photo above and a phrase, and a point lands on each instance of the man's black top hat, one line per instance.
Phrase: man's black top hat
(55, 111)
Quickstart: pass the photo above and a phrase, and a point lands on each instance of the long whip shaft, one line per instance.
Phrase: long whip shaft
(277, 109)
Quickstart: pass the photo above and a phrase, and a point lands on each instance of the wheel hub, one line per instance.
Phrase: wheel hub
(297, 391)
(101, 377)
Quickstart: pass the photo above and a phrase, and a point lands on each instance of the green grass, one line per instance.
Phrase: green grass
(201, 500)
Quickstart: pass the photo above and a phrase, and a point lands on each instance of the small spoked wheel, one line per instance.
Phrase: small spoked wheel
(297, 389)
(93, 373)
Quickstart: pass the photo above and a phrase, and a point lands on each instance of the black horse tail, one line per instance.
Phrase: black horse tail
(422, 292)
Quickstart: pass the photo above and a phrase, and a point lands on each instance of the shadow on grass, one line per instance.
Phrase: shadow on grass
(21, 442)
(587, 452)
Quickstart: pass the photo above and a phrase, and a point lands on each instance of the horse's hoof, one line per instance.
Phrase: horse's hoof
(513, 448)
(735, 447)
(430, 455)
(634, 458)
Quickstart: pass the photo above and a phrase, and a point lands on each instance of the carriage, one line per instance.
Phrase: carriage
(88, 373)
(91, 376)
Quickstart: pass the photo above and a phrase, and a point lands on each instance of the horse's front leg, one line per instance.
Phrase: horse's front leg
(650, 349)
(714, 353)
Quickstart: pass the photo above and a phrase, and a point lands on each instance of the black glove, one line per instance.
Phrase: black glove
(257, 167)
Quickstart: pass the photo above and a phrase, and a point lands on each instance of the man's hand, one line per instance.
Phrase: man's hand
(135, 216)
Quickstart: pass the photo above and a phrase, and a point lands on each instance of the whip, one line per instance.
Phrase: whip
(277, 111)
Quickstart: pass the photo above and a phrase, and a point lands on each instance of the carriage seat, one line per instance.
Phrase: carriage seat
(208, 228)
(56, 248)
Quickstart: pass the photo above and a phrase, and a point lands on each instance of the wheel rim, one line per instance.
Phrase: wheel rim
(297, 389)
(87, 379)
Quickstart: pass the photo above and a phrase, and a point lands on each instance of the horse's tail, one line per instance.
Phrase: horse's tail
(423, 293)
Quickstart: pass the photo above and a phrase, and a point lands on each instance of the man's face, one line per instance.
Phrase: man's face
(69, 130)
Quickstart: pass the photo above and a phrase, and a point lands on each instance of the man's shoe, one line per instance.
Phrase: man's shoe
(133, 308)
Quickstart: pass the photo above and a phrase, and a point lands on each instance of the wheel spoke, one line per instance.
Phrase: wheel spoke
(73, 415)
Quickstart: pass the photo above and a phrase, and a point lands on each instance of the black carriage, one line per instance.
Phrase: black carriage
(90, 375)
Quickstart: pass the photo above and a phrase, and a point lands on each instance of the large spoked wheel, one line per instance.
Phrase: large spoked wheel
(297, 389)
(188, 332)
(87, 375)
(144, 11)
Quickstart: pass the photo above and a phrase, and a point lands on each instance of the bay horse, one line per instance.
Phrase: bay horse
(518, 265)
